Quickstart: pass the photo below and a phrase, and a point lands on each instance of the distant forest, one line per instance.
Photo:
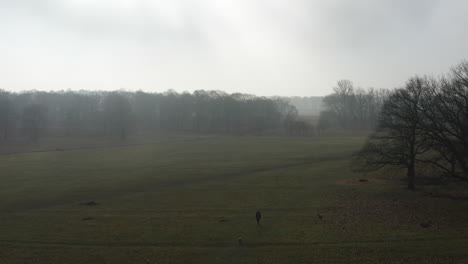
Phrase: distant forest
(35, 114)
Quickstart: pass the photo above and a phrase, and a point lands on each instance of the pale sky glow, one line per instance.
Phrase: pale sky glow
(275, 47)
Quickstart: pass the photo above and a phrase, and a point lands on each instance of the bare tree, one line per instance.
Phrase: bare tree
(290, 115)
(324, 121)
(340, 102)
(354, 109)
(34, 118)
(117, 111)
(398, 140)
(446, 121)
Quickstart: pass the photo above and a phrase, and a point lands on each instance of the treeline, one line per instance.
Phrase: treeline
(423, 125)
(349, 108)
(35, 114)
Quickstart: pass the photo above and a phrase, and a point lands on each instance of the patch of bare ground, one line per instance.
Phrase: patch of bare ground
(362, 181)
(364, 213)
(449, 196)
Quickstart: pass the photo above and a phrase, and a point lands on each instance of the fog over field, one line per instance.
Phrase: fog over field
(234, 131)
(269, 48)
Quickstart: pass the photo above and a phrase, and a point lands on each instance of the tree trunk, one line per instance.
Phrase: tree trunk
(411, 176)
(453, 163)
(411, 172)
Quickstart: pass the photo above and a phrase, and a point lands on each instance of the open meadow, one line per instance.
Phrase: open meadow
(190, 200)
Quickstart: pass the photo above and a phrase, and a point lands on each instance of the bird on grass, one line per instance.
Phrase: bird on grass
(426, 224)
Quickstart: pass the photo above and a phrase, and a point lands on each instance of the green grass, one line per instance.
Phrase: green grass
(162, 203)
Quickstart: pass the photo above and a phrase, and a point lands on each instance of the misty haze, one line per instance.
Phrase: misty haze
(233, 131)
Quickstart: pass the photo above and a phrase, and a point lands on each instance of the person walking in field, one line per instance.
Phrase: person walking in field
(258, 217)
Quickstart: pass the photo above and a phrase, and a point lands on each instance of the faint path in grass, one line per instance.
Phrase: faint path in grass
(173, 184)
(110, 146)
(226, 244)
(183, 182)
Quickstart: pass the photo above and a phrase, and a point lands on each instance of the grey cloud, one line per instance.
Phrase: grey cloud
(269, 47)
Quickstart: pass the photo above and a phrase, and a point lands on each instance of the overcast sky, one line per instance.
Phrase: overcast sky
(269, 47)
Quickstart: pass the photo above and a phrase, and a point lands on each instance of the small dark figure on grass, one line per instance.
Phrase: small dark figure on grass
(239, 240)
(258, 217)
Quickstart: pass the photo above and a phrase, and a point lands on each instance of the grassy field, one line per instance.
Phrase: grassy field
(188, 201)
